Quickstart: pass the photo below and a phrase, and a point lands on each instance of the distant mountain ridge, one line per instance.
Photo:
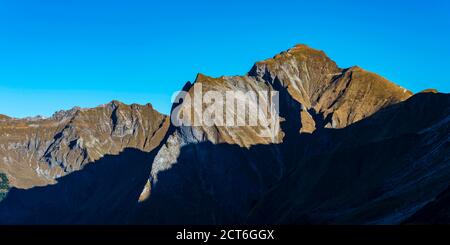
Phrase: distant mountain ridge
(351, 148)
(37, 151)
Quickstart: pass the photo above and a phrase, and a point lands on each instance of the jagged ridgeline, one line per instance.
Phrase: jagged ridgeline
(4, 186)
(350, 147)
(36, 151)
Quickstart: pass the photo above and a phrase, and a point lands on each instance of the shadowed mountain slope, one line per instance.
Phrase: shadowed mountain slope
(399, 164)
(104, 192)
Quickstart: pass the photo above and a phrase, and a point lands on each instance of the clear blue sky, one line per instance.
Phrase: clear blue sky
(59, 54)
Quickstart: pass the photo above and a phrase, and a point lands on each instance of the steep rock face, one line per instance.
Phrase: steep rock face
(36, 151)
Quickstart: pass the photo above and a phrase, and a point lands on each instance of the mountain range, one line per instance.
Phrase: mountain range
(351, 148)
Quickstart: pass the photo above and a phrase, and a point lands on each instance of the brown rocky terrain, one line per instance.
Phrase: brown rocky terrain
(350, 147)
(36, 151)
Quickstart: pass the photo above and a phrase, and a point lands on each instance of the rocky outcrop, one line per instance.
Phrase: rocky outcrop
(4, 186)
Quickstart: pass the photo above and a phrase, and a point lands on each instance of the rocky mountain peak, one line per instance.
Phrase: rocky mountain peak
(328, 96)
(114, 104)
(314, 94)
(338, 96)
